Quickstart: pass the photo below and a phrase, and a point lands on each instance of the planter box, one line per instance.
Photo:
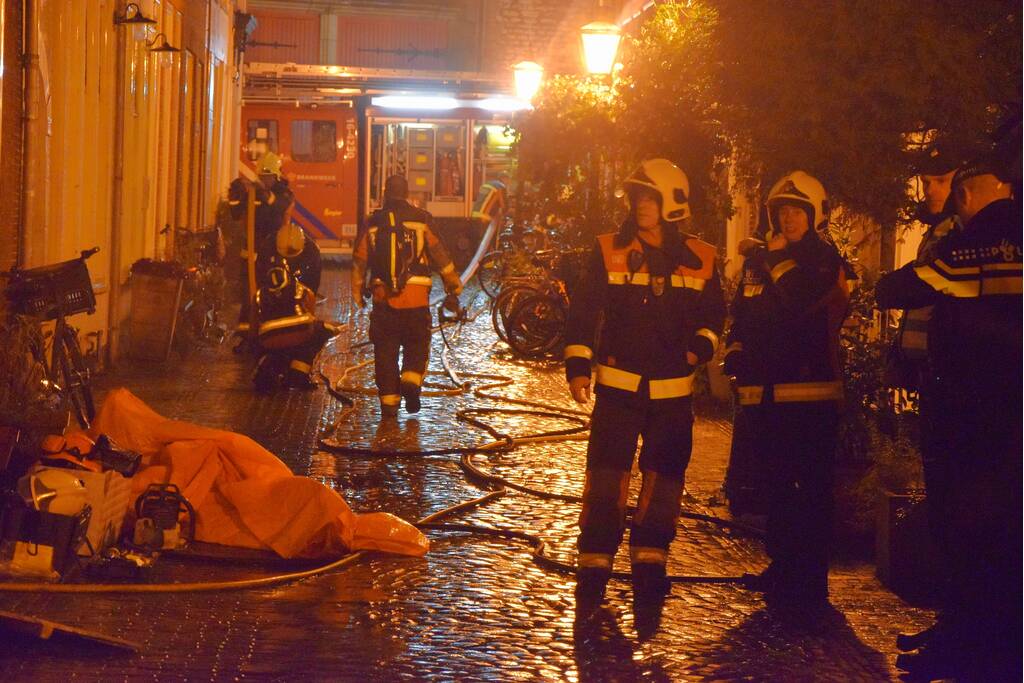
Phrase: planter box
(907, 561)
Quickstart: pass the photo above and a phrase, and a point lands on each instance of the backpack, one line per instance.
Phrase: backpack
(393, 251)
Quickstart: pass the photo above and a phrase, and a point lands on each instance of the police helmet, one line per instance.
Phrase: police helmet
(290, 240)
(669, 181)
(798, 187)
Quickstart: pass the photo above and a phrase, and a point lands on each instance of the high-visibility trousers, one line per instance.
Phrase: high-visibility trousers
(667, 430)
(394, 332)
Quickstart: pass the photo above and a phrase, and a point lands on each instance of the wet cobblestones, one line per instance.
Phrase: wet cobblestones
(476, 607)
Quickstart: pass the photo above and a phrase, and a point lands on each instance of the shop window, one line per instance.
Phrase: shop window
(314, 141)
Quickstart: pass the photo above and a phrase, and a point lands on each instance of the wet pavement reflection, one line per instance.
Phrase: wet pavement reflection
(476, 607)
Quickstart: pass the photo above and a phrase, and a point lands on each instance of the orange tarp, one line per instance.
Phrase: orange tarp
(242, 494)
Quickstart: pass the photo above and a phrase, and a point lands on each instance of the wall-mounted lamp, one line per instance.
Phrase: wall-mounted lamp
(528, 76)
(164, 51)
(133, 16)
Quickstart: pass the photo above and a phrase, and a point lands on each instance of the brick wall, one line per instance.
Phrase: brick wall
(538, 30)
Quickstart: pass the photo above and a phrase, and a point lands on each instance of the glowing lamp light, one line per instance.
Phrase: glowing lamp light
(600, 43)
(415, 102)
(528, 76)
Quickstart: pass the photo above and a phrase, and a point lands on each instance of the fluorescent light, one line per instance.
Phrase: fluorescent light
(415, 102)
(503, 104)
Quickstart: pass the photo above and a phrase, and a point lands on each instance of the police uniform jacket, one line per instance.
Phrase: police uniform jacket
(655, 308)
(427, 252)
(787, 313)
(973, 280)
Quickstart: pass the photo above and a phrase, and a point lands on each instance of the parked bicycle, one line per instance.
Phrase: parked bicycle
(54, 292)
(202, 298)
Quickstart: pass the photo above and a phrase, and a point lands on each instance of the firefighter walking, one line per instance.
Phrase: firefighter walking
(397, 252)
(973, 280)
(784, 351)
(660, 296)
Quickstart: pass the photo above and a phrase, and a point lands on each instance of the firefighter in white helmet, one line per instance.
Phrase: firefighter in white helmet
(786, 340)
(660, 296)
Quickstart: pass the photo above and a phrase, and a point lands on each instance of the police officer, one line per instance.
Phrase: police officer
(789, 375)
(397, 251)
(660, 296)
(973, 280)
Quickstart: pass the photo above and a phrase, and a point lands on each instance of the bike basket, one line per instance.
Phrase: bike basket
(46, 290)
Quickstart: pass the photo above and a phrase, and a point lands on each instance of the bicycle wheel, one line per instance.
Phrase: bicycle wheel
(490, 273)
(74, 377)
(536, 326)
(502, 306)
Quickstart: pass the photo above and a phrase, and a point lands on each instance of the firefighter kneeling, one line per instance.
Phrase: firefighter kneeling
(289, 335)
(784, 353)
(659, 292)
(398, 248)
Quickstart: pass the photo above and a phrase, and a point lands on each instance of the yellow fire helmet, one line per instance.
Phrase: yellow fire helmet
(290, 240)
(803, 188)
(669, 181)
(269, 164)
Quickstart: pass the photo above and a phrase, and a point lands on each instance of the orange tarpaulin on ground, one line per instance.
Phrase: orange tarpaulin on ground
(242, 494)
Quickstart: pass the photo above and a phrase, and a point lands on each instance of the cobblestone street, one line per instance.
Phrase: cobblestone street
(476, 607)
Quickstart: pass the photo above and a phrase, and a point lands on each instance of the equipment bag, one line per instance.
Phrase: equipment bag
(394, 251)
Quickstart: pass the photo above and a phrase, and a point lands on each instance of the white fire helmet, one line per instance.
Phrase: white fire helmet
(669, 181)
(802, 188)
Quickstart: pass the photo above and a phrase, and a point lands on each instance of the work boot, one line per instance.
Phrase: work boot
(389, 411)
(590, 585)
(650, 585)
(411, 393)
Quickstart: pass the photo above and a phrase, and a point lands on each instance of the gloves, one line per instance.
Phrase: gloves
(452, 284)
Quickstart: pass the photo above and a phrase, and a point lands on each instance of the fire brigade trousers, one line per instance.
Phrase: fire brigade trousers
(394, 331)
(667, 430)
(295, 360)
(798, 443)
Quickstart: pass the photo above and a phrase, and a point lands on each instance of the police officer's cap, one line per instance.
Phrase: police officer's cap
(939, 158)
(396, 187)
(987, 164)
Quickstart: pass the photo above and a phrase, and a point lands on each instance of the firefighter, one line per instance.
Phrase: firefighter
(289, 335)
(789, 377)
(659, 292)
(274, 200)
(491, 203)
(972, 278)
(397, 251)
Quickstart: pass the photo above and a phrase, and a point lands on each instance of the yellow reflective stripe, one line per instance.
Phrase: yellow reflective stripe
(244, 253)
(481, 214)
(752, 290)
(412, 377)
(623, 278)
(808, 391)
(391, 218)
(450, 268)
(647, 555)
(750, 396)
(242, 327)
(709, 335)
(1001, 266)
(300, 366)
(735, 346)
(390, 399)
(1001, 285)
(291, 321)
(618, 379)
(671, 388)
(598, 560)
(420, 280)
(782, 268)
(578, 351)
(956, 270)
(942, 284)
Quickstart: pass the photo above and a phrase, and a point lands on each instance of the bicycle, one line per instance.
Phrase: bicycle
(54, 292)
(202, 299)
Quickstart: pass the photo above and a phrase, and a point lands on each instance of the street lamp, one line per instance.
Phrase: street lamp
(528, 76)
(600, 43)
(162, 49)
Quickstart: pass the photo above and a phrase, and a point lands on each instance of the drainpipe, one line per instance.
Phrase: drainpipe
(116, 206)
(33, 141)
